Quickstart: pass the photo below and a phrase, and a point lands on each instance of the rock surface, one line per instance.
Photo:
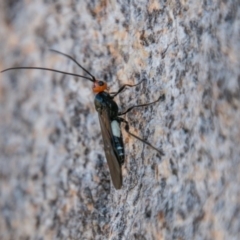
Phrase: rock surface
(55, 182)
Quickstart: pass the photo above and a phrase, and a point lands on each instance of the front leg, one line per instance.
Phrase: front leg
(114, 94)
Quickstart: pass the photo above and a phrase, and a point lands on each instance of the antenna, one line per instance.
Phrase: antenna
(92, 79)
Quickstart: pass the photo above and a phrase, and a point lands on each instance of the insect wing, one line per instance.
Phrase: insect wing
(113, 164)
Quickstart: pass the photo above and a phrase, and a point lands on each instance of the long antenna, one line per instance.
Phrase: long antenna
(48, 69)
(92, 79)
(68, 56)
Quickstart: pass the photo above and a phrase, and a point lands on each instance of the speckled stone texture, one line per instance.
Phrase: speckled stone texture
(54, 179)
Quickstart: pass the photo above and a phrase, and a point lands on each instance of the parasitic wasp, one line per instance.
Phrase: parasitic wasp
(109, 118)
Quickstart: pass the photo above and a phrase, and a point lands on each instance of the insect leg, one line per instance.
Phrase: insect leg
(161, 98)
(122, 87)
(140, 139)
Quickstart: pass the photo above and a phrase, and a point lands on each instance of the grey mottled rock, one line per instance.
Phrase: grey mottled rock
(55, 182)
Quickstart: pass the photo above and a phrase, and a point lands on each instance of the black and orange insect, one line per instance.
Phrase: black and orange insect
(109, 118)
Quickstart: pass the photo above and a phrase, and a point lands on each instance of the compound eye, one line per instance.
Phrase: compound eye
(100, 83)
(99, 86)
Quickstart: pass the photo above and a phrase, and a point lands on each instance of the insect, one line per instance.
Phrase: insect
(109, 118)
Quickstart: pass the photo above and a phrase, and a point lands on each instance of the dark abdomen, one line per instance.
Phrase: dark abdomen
(117, 139)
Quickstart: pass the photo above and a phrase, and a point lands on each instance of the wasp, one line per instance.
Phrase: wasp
(109, 118)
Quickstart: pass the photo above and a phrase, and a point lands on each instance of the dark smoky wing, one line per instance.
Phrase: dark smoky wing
(113, 164)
